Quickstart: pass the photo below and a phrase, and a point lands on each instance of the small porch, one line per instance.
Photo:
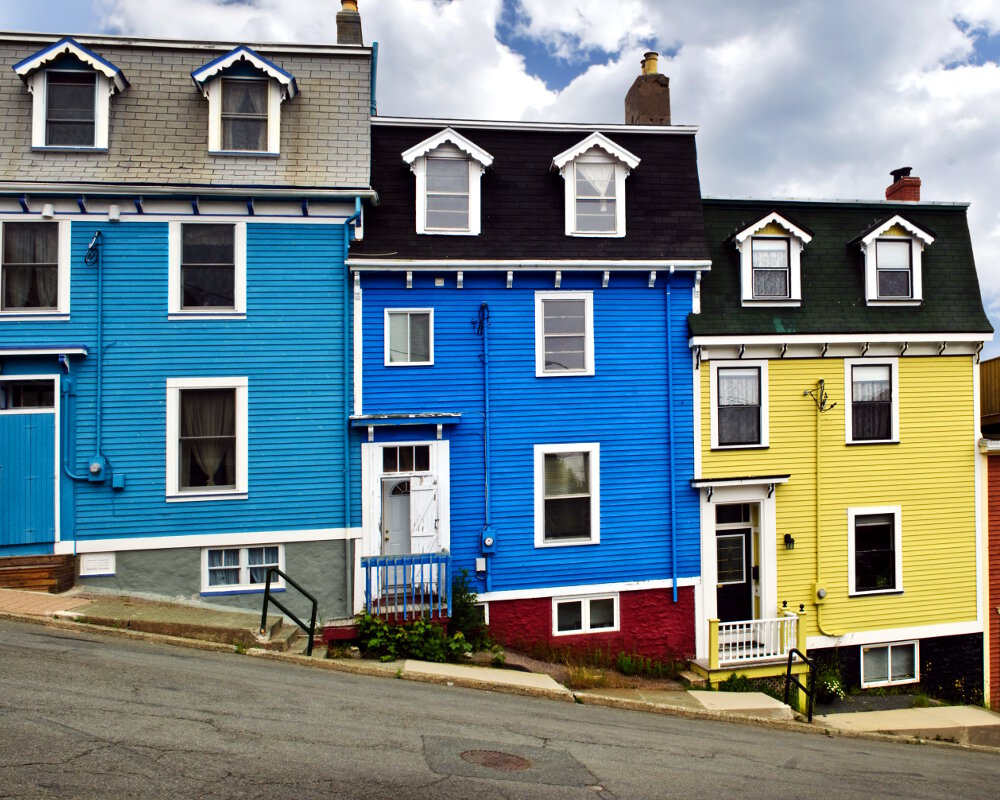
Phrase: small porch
(757, 648)
(401, 588)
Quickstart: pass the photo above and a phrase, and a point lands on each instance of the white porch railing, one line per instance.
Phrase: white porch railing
(752, 640)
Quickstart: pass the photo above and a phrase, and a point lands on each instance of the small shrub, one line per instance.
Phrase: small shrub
(466, 615)
(582, 678)
(738, 683)
(418, 639)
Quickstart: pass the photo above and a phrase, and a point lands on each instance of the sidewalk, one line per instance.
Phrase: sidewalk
(224, 631)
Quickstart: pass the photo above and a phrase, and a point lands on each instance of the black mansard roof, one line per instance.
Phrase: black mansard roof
(523, 200)
(833, 272)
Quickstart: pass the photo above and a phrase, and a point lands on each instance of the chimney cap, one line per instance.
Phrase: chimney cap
(349, 5)
(901, 172)
(649, 63)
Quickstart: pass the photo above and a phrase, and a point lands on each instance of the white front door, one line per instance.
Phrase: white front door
(396, 525)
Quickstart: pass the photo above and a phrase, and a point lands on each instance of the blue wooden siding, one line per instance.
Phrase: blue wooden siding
(290, 347)
(623, 407)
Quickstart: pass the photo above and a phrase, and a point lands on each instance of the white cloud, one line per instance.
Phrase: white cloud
(804, 99)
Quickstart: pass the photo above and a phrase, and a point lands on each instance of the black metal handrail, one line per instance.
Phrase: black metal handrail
(310, 630)
(810, 690)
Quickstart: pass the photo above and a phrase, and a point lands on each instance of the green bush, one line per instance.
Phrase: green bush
(466, 615)
(633, 664)
(418, 639)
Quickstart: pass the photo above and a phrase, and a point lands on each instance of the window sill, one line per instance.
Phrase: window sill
(408, 364)
(771, 302)
(876, 593)
(245, 153)
(862, 442)
(883, 684)
(597, 234)
(568, 543)
(203, 315)
(590, 632)
(80, 149)
(739, 447)
(236, 589)
(565, 374)
(902, 301)
(200, 497)
(34, 316)
(444, 232)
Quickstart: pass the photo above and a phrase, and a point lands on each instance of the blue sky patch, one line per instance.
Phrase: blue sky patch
(985, 46)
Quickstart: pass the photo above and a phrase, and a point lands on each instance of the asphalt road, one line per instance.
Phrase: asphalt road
(88, 716)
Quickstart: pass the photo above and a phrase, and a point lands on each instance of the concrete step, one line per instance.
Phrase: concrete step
(689, 678)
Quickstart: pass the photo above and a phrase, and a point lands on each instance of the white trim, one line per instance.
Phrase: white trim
(244, 568)
(893, 634)
(63, 276)
(275, 95)
(207, 540)
(838, 338)
(593, 451)
(56, 413)
(595, 588)
(761, 366)
(174, 387)
(589, 358)
(214, 68)
(448, 135)
(585, 600)
(918, 239)
(563, 127)
(849, 364)
(982, 542)
(540, 265)
(458, 148)
(175, 290)
(797, 239)
(853, 513)
(596, 139)
(358, 345)
(385, 336)
(888, 648)
(589, 151)
(38, 86)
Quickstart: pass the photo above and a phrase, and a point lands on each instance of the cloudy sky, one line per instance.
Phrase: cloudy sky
(793, 98)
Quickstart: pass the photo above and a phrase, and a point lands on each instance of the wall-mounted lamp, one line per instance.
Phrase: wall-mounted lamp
(789, 542)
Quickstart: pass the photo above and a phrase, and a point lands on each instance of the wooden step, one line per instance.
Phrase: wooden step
(39, 573)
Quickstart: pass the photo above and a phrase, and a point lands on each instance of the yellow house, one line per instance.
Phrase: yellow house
(836, 358)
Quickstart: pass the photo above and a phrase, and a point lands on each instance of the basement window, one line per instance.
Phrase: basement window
(890, 664)
(584, 614)
(240, 569)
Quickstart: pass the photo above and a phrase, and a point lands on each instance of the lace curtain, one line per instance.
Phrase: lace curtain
(208, 429)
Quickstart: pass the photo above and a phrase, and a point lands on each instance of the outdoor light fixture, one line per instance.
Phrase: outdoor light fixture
(789, 542)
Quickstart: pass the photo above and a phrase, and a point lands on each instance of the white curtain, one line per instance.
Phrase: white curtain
(209, 418)
(595, 180)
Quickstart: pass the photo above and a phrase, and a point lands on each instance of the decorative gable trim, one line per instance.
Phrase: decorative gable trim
(596, 139)
(202, 77)
(772, 228)
(448, 135)
(68, 46)
(894, 229)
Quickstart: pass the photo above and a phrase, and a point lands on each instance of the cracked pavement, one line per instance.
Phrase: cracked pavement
(89, 716)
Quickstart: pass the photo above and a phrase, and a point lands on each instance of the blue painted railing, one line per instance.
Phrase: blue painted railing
(409, 586)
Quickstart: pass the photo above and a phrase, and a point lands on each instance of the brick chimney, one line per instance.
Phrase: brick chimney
(349, 23)
(903, 187)
(648, 101)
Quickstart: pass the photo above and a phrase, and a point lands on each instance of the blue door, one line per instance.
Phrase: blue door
(27, 462)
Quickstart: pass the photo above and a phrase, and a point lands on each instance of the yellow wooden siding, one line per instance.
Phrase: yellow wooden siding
(930, 474)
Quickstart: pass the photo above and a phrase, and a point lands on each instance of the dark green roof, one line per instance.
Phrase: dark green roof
(833, 288)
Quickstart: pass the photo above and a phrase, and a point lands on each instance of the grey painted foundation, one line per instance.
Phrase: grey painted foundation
(322, 568)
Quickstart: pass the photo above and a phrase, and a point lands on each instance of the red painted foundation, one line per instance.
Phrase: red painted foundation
(651, 624)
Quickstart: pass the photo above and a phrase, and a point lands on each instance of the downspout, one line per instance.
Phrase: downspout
(374, 75)
(488, 538)
(670, 446)
(95, 255)
(346, 421)
(817, 601)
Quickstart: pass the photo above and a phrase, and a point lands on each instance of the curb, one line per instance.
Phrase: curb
(395, 669)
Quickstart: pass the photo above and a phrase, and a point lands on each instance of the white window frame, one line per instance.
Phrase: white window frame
(596, 148)
(173, 417)
(914, 643)
(448, 143)
(918, 239)
(38, 86)
(896, 513)
(588, 301)
(175, 291)
(63, 277)
(797, 240)
(386, 342)
(213, 91)
(244, 586)
(585, 600)
(849, 363)
(593, 451)
(714, 367)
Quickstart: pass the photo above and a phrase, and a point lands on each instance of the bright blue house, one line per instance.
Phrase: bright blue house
(175, 313)
(522, 375)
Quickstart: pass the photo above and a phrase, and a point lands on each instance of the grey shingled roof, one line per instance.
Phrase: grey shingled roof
(833, 291)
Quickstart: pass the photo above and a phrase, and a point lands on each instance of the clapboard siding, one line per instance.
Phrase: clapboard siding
(993, 578)
(930, 474)
(623, 407)
(289, 347)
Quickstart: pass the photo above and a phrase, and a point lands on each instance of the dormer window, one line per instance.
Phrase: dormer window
(892, 251)
(244, 92)
(770, 268)
(594, 172)
(71, 89)
(448, 168)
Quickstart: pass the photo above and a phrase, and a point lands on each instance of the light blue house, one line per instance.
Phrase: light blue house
(174, 318)
(522, 375)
